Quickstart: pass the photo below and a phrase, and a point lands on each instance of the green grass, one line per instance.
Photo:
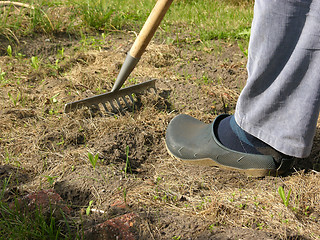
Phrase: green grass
(208, 20)
(185, 21)
(16, 222)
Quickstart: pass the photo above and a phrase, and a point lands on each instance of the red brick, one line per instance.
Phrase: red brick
(116, 228)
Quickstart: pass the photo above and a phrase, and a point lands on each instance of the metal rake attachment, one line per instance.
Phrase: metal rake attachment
(112, 102)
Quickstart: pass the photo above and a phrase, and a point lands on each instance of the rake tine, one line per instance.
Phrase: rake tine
(105, 107)
(119, 104)
(131, 98)
(114, 109)
(96, 109)
(125, 101)
(96, 106)
(125, 93)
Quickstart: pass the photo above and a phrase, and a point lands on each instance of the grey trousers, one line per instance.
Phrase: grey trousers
(280, 102)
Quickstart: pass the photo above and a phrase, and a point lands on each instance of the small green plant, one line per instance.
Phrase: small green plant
(53, 99)
(307, 211)
(51, 179)
(60, 53)
(242, 206)
(158, 179)
(176, 237)
(103, 35)
(56, 65)
(125, 195)
(88, 210)
(9, 50)
(9, 158)
(260, 226)
(53, 111)
(284, 198)
(35, 62)
(232, 199)
(205, 79)
(2, 79)
(20, 55)
(127, 167)
(61, 142)
(243, 50)
(211, 227)
(93, 159)
(14, 100)
(133, 80)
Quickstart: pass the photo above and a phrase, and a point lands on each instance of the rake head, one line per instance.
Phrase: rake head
(112, 102)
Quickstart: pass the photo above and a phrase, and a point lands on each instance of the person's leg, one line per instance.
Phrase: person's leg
(279, 105)
(280, 102)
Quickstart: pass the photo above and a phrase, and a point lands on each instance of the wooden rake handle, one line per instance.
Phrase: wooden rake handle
(149, 28)
(142, 41)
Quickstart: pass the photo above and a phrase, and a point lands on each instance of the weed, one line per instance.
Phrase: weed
(60, 54)
(203, 203)
(14, 100)
(260, 226)
(307, 211)
(176, 237)
(93, 159)
(243, 50)
(20, 56)
(35, 62)
(284, 198)
(242, 206)
(53, 99)
(51, 179)
(9, 50)
(127, 162)
(61, 142)
(205, 79)
(232, 199)
(88, 210)
(2, 79)
(133, 80)
(158, 179)
(53, 111)
(56, 65)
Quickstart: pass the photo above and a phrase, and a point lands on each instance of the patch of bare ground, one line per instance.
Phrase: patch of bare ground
(39, 143)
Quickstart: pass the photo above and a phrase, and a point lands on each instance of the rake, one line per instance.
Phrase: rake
(113, 101)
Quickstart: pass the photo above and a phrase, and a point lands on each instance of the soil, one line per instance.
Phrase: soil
(173, 201)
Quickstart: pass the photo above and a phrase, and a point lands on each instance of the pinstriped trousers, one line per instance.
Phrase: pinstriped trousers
(280, 102)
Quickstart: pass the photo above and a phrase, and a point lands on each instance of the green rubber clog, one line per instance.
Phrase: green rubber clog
(193, 141)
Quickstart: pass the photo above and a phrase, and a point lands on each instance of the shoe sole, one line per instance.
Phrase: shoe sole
(251, 172)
